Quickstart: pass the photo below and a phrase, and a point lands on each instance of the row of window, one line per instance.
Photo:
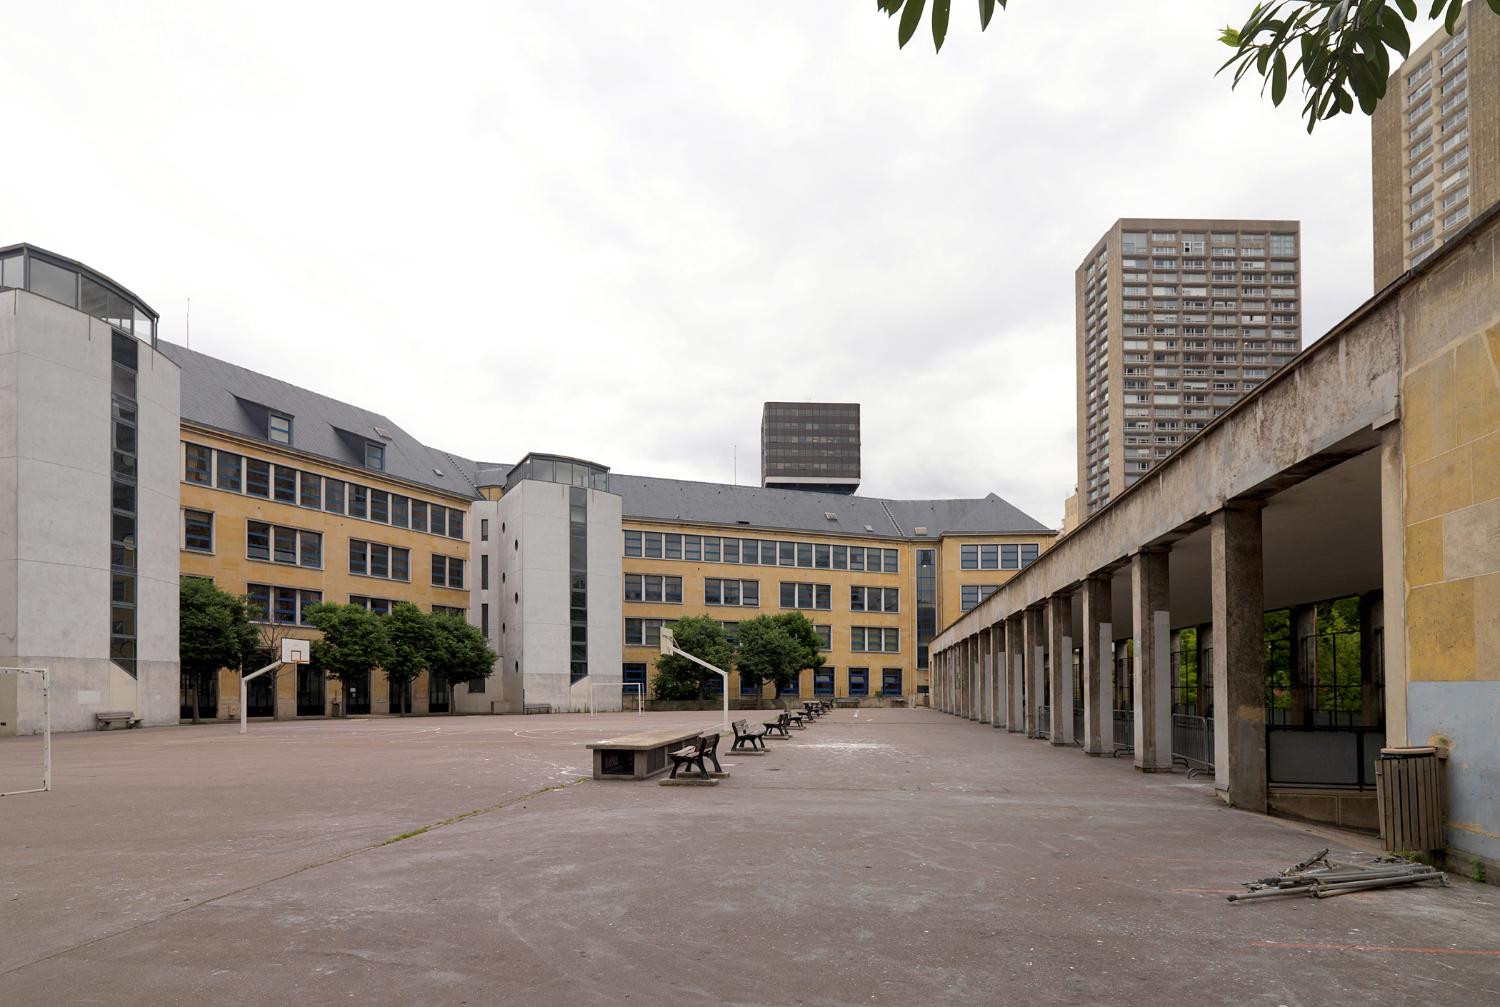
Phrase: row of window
(232, 473)
(633, 677)
(863, 639)
(997, 557)
(653, 587)
(759, 552)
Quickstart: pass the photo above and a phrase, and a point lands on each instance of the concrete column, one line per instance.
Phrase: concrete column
(1033, 632)
(982, 640)
(997, 674)
(1303, 628)
(967, 671)
(1152, 666)
(1060, 647)
(1393, 582)
(1237, 587)
(1371, 626)
(1098, 667)
(976, 665)
(1015, 672)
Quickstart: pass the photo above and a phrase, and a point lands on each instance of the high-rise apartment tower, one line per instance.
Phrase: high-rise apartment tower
(1435, 143)
(810, 446)
(1177, 319)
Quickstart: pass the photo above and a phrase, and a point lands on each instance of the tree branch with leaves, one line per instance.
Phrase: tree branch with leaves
(1339, 48)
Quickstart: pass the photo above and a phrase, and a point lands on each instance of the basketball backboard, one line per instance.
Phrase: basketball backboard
(296, 651)
(666, 640)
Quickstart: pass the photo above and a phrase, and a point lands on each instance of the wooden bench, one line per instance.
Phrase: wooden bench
(700, 753)
(107, 719)
(638, 756)
(746, 740)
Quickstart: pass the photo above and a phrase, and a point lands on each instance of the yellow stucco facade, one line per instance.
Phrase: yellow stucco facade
(841, 618)
(228, 562)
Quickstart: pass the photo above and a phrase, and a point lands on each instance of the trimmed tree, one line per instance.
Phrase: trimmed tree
(679, 678)
(413, 640)
(354, 641)
(775, 648)
(214, 631)
(460, 654)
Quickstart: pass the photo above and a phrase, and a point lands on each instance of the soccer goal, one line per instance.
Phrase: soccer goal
(25, 682)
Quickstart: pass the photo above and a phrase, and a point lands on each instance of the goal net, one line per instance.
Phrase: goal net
(25, 766)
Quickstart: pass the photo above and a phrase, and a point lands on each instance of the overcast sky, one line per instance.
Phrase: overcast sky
(613, 230)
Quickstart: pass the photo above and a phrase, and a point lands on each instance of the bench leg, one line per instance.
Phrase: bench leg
(715, 757)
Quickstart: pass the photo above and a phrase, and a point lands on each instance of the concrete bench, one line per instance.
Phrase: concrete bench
(107, 719)
(639, 756)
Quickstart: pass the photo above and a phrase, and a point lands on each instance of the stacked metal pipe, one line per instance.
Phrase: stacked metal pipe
(1318, 877)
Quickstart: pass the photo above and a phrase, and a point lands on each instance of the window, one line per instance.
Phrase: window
(674, 546)
(447, 571)
(970, 595)
(484, 523)
(418, 515)
(875, 639)
(258, 478)
(359, 501)
(375, 559)
(374, 456)
(823, 682)
(874, 599)
(717, 591)
(821, 557)
(1283, 244)
(286, 484)
(825, 637)
(811, 596)
(710, 549)
(692, 548)
(859, 681)
(380, 606)
(633, 544)
(653, 544)
(455, 524)
(968, 557)
(653, 588)
(643, 632)
(792, 688)
(1029, 553)
(279, 428)
(197, 531)
(229, 471)
(280, 604)
(199, 461)
(457, 613)
(633, 678)
(312, 491)
(484, 618)
(333, 496)
(484, 572)
(729, 550)
(890, 681)
(804, 554)
(278, 544)
(399, 511)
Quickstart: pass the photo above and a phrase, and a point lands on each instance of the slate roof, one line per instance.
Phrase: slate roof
(234, 399)
(649, 498)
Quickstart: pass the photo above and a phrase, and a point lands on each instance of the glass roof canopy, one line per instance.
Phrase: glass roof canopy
(559, 469)
(59, 278)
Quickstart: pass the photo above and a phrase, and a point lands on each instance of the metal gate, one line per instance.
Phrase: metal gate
(312, 692)
(357, 693)
(260, 696)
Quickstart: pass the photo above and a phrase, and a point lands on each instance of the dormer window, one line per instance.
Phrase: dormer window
(279, 428)
(374, 456)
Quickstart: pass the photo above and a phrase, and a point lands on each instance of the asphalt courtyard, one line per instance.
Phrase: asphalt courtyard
(899, 857)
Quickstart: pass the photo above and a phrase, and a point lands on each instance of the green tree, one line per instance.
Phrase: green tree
(775, 649)
(679, 678)
(460, 654)
(214, 631)
(413, 640)
(354, 641)
(1341, 48)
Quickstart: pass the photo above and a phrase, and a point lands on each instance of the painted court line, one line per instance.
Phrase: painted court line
(1378, 949)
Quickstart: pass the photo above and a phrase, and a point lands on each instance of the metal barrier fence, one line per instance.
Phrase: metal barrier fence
(1044, 722)
(1124, 731)
(1193, 740)
(1078, 738)
(1312, 756)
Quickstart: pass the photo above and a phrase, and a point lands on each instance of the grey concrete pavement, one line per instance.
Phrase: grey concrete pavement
(901, 857)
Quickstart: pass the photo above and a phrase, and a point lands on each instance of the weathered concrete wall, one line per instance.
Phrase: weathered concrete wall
(1451, 446)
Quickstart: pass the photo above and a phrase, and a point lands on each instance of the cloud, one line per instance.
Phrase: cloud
(613, 230)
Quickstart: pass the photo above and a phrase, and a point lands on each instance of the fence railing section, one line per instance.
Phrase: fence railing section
(1124, 730)
(1312, 756)
(1193, 740)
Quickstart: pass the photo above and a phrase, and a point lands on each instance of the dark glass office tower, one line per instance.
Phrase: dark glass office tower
(810, 446)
